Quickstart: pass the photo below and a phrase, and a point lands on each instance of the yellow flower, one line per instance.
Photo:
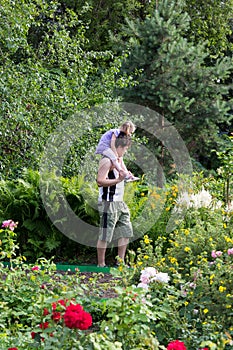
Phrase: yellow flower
(139, 263)
(147, 240)
(186, 231)
(173, 260)
(224, 225)
(120, 268)
(167, 209)
(186, 303)
(228, 306)
(221, 289)
(172, 269)
(228, 239)
(142, 194)
(146, 257)
(205, 311)
(187, 249)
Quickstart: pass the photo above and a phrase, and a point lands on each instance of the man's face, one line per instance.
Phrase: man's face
(121, 150)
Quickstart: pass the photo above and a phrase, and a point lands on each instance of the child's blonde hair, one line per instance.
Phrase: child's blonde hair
(127, 127)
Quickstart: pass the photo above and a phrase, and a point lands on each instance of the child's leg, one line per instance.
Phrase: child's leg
(111, 155)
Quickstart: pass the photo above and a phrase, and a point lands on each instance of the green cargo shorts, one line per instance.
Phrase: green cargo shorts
(114, 221)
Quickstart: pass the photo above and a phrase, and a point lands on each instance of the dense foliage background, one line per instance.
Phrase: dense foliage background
(72, 63)
(60, 58)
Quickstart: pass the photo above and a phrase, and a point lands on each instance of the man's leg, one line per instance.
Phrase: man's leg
(122, 245)
(101, 250)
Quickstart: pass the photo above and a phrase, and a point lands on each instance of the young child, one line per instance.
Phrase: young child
(106, 145)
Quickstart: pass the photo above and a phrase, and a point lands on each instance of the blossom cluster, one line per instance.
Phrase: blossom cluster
(202, 199)
(73, 315)
(150, 274)
(176, 345)
(217, 253)
(179, 345)
(10, 224)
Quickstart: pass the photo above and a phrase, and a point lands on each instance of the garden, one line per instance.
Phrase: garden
(67, 71)
(173, 292)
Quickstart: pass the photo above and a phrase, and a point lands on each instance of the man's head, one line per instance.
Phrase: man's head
(122, 144)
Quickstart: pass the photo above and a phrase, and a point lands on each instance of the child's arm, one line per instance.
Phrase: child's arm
(123, 166)
(113, 139)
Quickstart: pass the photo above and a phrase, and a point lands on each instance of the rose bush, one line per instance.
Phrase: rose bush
(177, 293)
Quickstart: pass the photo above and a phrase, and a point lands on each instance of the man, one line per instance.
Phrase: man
(114, 213)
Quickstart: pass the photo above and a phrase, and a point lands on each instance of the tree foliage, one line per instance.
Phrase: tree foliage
(46, 75)
(57, 59)
(172, 77)
(107, 16)
(211, 21)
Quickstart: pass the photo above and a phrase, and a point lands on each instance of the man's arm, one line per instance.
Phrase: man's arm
(104, 167)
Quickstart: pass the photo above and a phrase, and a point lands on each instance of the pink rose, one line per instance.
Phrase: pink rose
(230, 251)
(145, 279)
(216, 254)
(10, 224)
(35, 268)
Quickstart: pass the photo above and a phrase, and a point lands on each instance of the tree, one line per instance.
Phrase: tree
(46, 75)
(211, 21)
(172, 77)
(103, 17)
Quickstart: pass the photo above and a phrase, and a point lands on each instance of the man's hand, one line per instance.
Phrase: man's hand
(122, 175)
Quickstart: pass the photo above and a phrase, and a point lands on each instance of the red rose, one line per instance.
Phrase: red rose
(33, 334)
(46, 312)
(74, 308)
(72, 318)
(44, 325)
(60, 302)
(176, 345)
(86, 321)
(56, 316)
(76, 317)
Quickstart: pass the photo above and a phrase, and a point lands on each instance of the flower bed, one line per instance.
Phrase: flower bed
(177, 294)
